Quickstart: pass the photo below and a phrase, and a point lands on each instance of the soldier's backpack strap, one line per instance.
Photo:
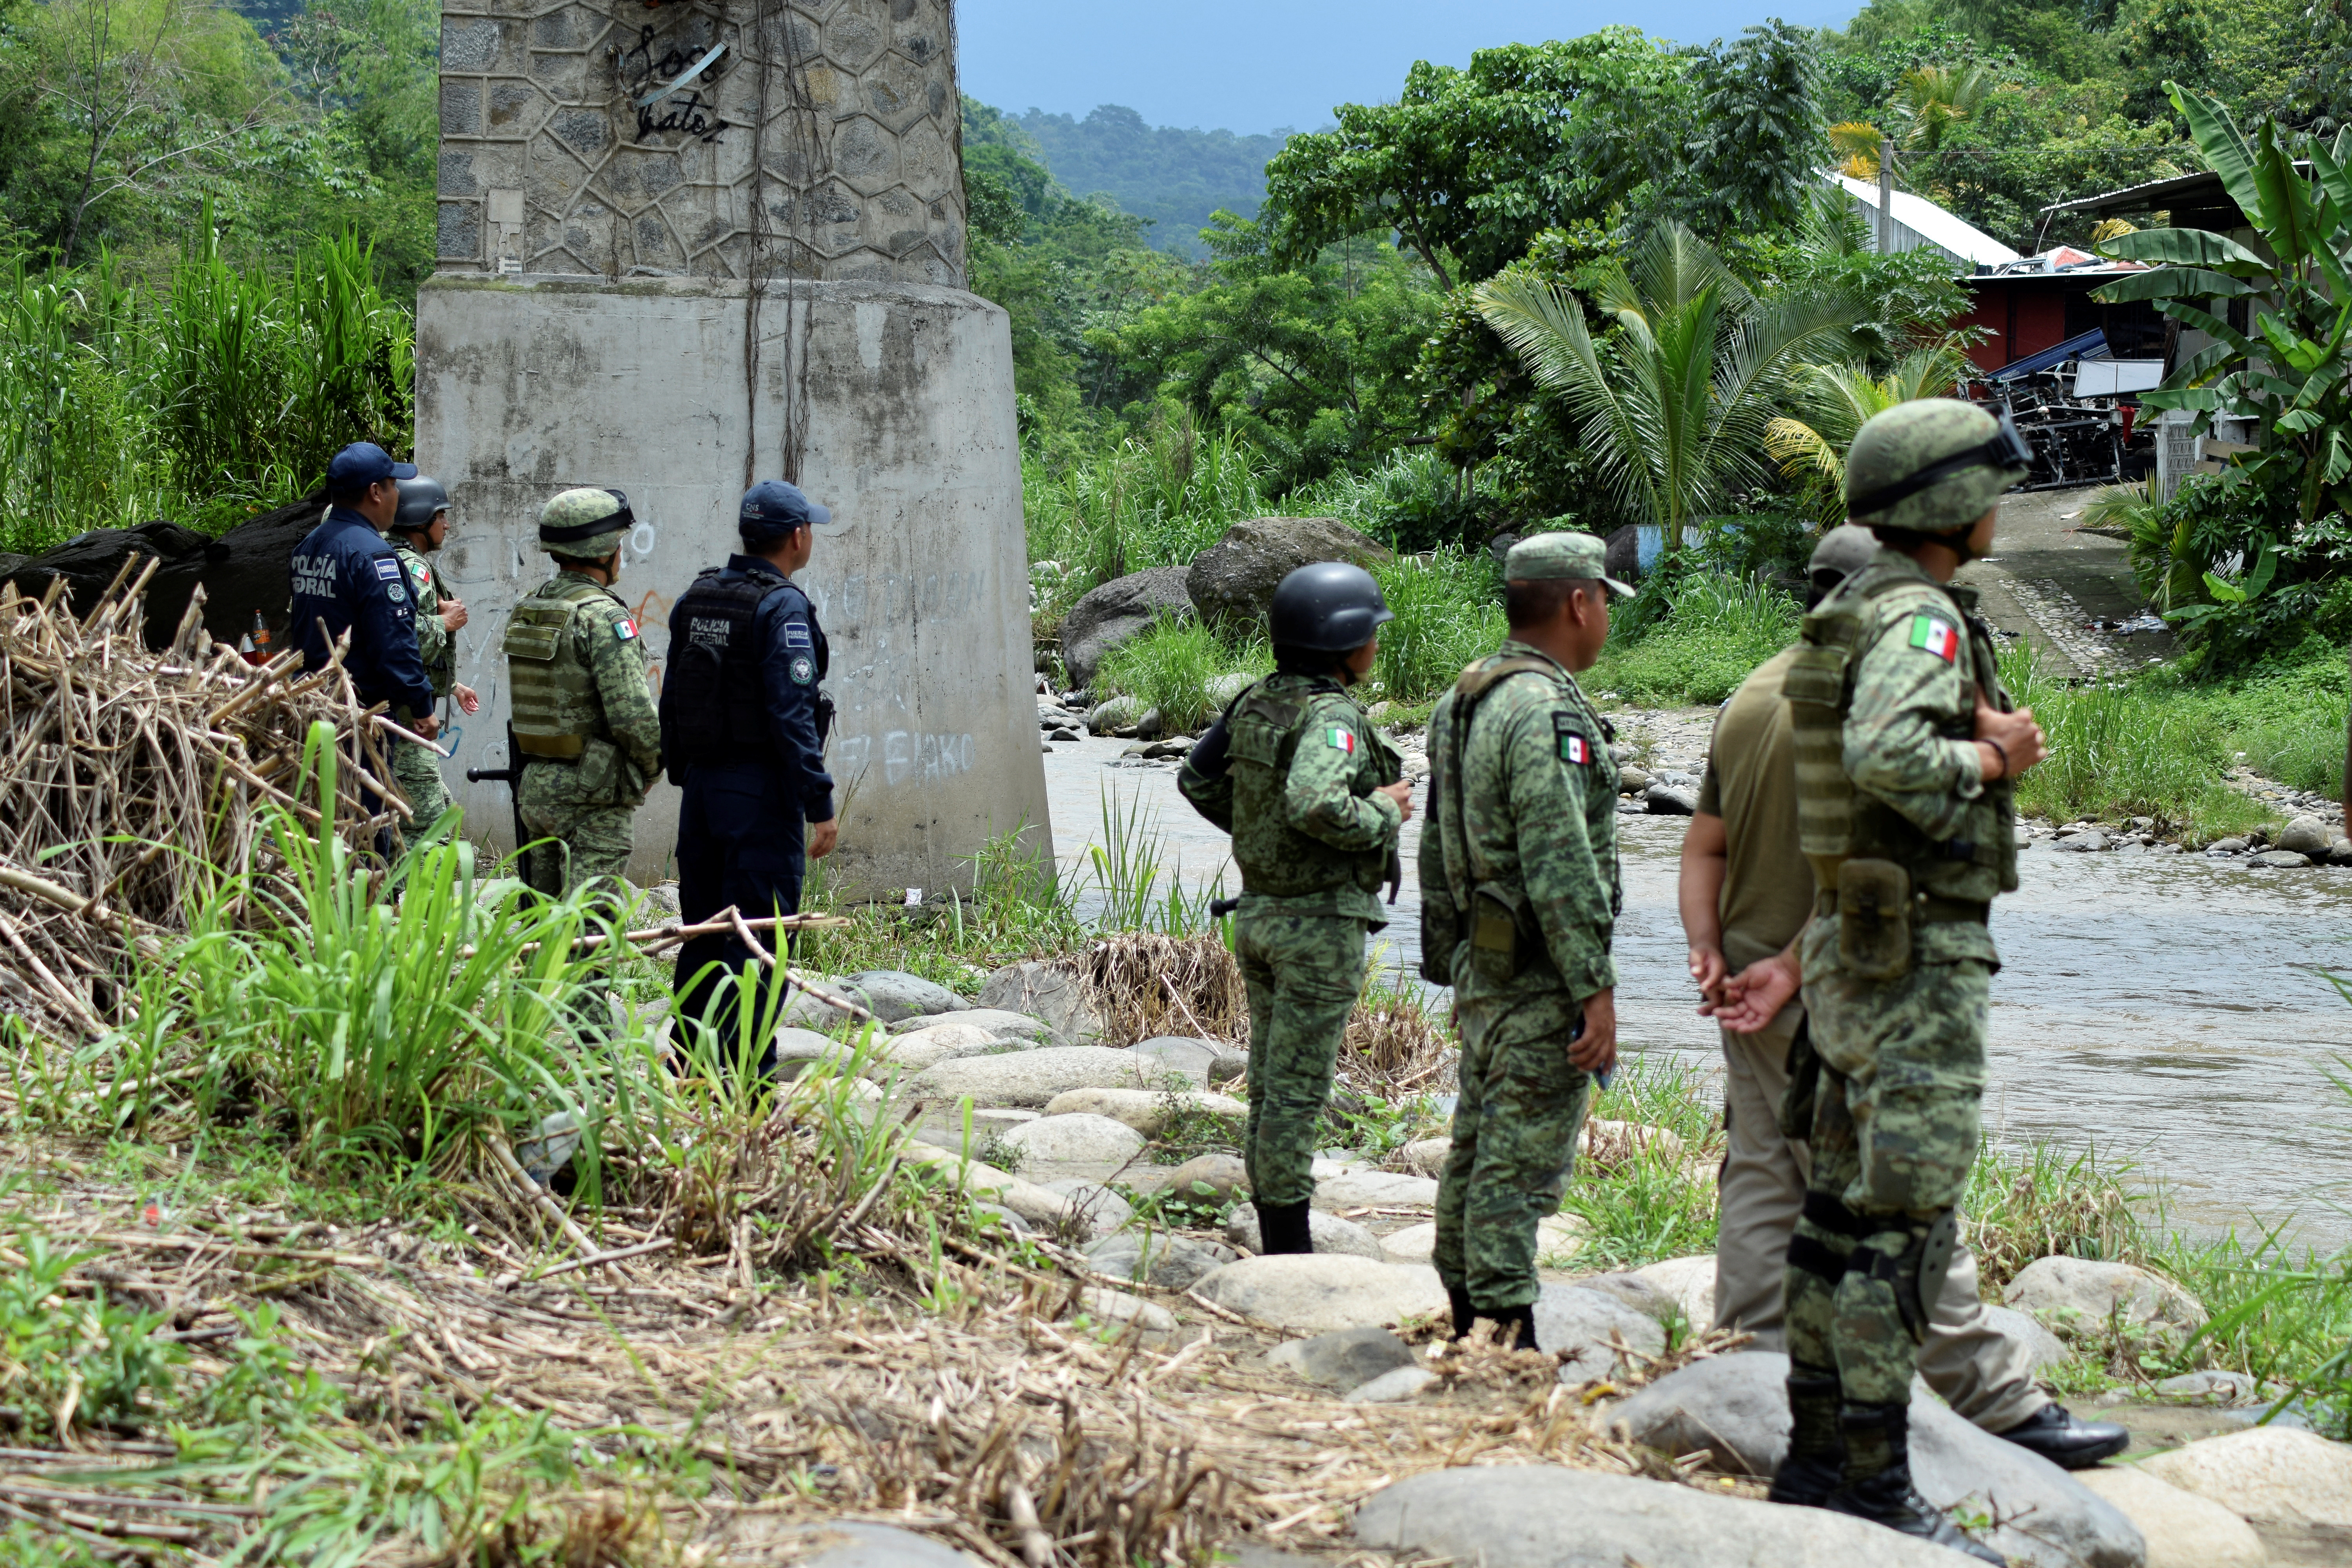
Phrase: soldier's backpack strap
(1478, 678)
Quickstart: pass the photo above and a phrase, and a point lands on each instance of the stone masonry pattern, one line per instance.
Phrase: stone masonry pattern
(553, 161)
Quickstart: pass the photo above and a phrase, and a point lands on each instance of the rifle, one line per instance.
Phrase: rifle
(512, 776)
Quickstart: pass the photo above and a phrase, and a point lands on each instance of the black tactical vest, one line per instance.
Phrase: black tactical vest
(716, 710)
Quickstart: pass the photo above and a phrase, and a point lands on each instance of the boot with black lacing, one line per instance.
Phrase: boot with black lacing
(1877, 1482)
(1816, 1460)
(1283, 1229)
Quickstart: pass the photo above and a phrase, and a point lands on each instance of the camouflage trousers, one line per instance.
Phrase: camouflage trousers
(1893, 1141)
(1304, 974)
(591, 839)
(1513, 1140)
(417, 772)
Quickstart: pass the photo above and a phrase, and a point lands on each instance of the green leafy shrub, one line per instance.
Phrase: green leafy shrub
(1170, 665)
(68, 1362)
(1449, 610)
(1715, 629)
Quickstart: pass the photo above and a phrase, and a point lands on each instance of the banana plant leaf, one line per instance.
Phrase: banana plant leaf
(2223, 147)
(2185, 247)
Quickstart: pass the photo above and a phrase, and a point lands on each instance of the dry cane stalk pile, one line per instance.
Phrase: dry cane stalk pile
(130, 777)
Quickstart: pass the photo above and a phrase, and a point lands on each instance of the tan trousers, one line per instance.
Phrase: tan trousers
(1982, 1372)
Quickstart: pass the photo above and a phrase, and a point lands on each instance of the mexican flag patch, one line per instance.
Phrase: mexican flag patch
(1340, 739)
(1574, 747)
(1939, 637)
(624, 628)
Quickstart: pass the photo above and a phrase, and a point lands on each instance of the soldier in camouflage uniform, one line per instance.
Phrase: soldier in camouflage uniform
(1519, 894)
(583, 704)
(1905, 746)
(416, 534)
(1312, 795)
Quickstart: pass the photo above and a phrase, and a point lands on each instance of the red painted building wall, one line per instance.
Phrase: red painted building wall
(2026, 315)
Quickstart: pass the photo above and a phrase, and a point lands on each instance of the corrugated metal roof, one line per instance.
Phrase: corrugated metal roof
(1957, 236)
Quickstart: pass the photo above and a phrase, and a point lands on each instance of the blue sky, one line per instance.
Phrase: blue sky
(1255, 65)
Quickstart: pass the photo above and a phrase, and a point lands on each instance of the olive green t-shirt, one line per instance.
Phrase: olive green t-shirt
(1751, 785)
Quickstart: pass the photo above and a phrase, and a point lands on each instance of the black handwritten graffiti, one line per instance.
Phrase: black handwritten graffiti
(642, 70)
(680, 114)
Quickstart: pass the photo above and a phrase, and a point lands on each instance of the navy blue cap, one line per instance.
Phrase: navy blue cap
(362, 464)
(772, 506)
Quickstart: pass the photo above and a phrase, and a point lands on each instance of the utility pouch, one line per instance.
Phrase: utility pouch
(1497, 952)
(825, 711)
(1874, 904)
(603, 774)
(1804, 1089)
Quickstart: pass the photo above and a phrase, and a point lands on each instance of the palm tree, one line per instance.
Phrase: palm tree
(1674, 404)
(1931, 99)
(1833, 400)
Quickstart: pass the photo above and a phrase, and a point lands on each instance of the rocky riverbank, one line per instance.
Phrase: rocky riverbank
(1075, 1141)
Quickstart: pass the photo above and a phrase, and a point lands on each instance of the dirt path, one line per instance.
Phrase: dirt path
(2064, 590)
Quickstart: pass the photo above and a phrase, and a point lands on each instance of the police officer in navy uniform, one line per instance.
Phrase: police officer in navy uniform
(346, 578)
(743, 729)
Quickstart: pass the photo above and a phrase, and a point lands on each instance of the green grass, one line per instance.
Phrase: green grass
(2124, 749)
(1715, 630)
(1170, 665)
(1449, 610)
(1656, 1205)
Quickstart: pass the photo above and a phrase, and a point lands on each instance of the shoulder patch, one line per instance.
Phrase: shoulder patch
(624, 627)
(1932, 633)
(1568, 736)
(1341, 739)
(802, 670)
(387, 569)
(796, 635)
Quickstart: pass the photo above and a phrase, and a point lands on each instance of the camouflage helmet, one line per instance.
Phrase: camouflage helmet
(585, 524)
(1931, 466)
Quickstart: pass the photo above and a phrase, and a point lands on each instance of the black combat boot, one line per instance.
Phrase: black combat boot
(1282, 1228)
(1515, 1327)
(1877, 1483)
(1458, 1297)
(1816, 1445)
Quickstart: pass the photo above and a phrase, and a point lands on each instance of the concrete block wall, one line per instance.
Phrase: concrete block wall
(899, 398)
(822, 141)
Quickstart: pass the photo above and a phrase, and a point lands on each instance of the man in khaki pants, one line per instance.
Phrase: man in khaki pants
(1747, 892)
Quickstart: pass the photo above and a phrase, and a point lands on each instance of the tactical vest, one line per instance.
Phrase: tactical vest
(1276, 859)
(1837, 824)
(441, 669)
(552, 690)
(1493, 916)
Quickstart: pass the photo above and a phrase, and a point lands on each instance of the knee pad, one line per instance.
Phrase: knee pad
(1912, 1259)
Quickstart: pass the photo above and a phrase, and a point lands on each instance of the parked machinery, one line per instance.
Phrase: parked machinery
(2078, 409)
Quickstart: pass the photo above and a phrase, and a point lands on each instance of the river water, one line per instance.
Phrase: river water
(2168, 1009)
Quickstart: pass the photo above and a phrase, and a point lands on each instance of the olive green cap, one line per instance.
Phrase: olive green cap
(1844, 551)
(1560, 555)
(1896, 442)
(585, 524)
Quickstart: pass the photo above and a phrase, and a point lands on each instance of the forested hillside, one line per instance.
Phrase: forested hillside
(1177, 178)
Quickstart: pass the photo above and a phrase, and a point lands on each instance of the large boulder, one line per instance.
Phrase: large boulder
(1030, 1078)
(1558, 1238)
(2079, 1297)
(1075, 1139)
(246, 570)
(1053, 996)
(1226, 1176)
(1204, 1061)
(1587, 1326)
(1345, 1358)
(1689, 1284)
(1233, 581)
(1147, 1110)
(1736, 1408)
(1108, 615)
(2275, 1476)
(1544, 1516)
(2181, 1529)
(1000, 1024)
(1375, 1189)
(1314, 1294)
(1171, 1262)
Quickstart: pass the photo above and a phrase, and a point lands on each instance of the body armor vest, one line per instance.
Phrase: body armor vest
(718, 713)
(1276, 859)
(441, 669)
(1835, 823)
(552, 692)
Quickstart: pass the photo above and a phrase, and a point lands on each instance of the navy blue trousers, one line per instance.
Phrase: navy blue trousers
(740, 842)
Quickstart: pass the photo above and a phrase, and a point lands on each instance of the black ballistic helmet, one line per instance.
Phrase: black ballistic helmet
(421, 500)
(1328, 607)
